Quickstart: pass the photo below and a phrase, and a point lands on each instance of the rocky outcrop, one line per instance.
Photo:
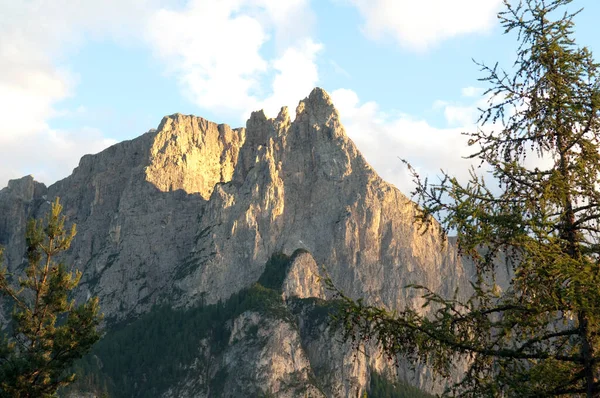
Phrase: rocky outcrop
(271, 356)
(275, 363)
(193, 154)
(189, 213)
(303, 278)
(264, 357)
(18, 201)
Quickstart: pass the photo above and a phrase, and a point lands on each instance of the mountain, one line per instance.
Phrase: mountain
(204, 244)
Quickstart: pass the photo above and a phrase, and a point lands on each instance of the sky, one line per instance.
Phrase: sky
(77, 76)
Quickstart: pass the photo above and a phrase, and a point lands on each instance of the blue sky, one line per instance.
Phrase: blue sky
(76, 77)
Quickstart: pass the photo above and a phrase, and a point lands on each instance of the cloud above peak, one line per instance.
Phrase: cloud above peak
(384, 139)
(216, 51)
(35, 37)
(213, 51)
(228, 56)
(420, 25)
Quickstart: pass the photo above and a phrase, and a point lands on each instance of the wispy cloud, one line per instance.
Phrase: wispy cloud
(214, 49)
(385, 139)
(471, 92)
(296, 75)
(49, 154)
(35, 37)
(420, 25)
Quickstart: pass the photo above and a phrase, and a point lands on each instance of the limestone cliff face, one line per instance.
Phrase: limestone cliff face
(270, 356)
(193, 154)
(17, 202)
(303, 279)
(191, 212)
(264, 356)
(304, 185)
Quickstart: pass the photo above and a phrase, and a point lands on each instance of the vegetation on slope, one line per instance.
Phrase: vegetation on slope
(380, 387)
(538, 335)
(143, 358)
(48, 332)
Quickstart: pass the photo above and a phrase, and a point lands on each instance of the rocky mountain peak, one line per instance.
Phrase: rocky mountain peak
(283, 117)
(25, 188)
(317, 108)
(189, 214)
(192, 154)
(198, 207)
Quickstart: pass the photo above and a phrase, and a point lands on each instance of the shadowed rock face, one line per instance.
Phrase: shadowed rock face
(193, 210)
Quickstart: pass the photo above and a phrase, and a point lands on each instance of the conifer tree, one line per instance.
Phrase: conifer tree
(48, 330)
(540, 335)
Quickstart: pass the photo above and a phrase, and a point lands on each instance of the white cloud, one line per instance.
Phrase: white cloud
(214, 50)
(35, 37)
(339, 70)
(292, 20)
(26, 101)
(419, 25)
(296, 75)
(48, 154)
(212, 47)
(383, 140)
(460, 115)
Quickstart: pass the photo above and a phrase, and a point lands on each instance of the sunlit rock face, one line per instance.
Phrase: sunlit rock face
(190, 213)
(193, 154)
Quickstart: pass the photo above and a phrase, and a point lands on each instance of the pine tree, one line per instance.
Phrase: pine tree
(48, 331)
(540, 335)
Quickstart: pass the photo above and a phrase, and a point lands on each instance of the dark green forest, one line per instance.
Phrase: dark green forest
(141, 358)
(380, 387)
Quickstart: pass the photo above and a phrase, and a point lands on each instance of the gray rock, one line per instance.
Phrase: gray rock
(192, 211)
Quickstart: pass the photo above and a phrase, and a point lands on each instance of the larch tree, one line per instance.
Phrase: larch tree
(48, 330)
(539, 335)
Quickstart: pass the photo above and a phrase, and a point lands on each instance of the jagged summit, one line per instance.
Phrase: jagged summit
(200, 151)
(25, 188)
(193, 154)
(192, 211)
(317, 107)
(274, 185)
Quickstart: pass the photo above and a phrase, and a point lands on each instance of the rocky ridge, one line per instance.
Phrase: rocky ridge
(191, 212)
